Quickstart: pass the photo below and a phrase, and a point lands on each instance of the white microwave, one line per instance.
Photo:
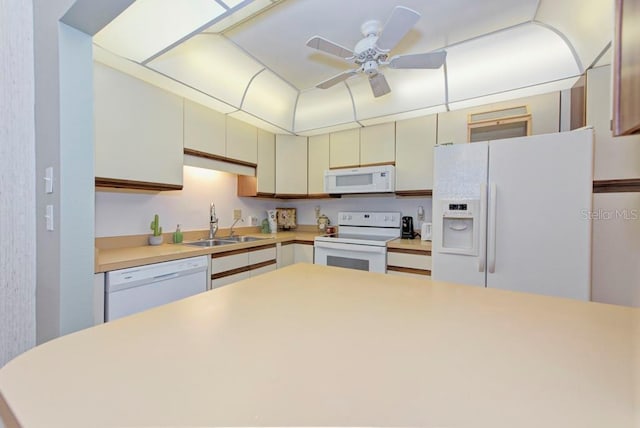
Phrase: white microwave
(369, 179)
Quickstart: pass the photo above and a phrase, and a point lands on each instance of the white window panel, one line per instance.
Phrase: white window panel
(212, 64)
(516, 58)
(149, 26)
(272, 99)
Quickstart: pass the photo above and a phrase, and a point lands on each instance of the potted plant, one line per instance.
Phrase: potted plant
(156, 238)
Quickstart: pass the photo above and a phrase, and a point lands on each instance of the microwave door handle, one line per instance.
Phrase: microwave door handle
(482, 258)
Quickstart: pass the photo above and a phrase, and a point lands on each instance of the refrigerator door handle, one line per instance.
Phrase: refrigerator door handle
(482, 259)
(491, 233)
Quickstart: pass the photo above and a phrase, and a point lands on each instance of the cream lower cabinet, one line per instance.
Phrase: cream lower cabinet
(295, 252)
(138, 133)
(415, 139)
(318, 163)
(291, 166)
(235, 265)
(415, 263)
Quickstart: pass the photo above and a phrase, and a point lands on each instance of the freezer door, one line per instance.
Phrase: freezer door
(539, 234)
(460, 174)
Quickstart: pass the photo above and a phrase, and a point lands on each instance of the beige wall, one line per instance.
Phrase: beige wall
(17, 162)
(616, 216)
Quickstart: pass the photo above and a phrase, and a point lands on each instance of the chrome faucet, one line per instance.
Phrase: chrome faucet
(231, 231)
(213, 221)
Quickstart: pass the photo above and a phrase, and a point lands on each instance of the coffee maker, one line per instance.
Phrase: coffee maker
(407, 228)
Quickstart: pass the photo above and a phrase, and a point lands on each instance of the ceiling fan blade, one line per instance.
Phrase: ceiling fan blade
(402, 19)
(328, 46)
(423, 60)
(379, 85)
(336, 79)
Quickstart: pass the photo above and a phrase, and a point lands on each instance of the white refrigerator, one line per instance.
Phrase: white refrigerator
(514, 214)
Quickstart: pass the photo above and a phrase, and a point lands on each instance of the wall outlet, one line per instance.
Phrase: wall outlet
(252, 220)
(237, 214)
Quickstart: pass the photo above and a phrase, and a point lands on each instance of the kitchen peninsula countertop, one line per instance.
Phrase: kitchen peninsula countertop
(312, 345)
(125, 257)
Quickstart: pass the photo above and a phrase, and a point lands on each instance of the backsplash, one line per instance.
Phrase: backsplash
(120, 213)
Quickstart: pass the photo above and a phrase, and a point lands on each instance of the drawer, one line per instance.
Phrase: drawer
(413, 261)
(262, 255)
(411, 275)
(234, 260)
(263, 269)
(229, 279)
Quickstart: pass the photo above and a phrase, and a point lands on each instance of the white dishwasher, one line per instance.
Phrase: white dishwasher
(136, 289)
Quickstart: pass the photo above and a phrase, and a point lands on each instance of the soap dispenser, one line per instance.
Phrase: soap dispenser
(177, 235)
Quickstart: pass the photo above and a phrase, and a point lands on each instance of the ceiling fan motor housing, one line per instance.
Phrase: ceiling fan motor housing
(370, 67)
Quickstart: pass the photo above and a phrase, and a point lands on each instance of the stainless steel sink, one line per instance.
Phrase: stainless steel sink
(240, 238)
(209, 243)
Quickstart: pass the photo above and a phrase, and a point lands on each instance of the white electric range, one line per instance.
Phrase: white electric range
(361, 241)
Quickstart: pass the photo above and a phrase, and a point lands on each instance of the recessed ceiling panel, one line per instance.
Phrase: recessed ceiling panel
(589, 28)
(516, 58)
(271, 99)
(210, 64)
(277, 37)
(321, 108)
(149, 26)
(410, 90)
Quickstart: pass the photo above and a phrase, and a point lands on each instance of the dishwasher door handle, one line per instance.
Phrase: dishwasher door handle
(165, 277)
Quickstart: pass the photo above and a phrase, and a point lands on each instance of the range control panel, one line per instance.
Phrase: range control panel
(369, 218)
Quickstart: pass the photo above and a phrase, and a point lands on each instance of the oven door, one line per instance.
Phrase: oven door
(353, 256)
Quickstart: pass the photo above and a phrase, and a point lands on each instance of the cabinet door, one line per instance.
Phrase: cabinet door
(318, 162)
(204, 129)
(242, 141)
(344, 148)
(266, 170)
(415, 139)
(378, 144)
(263, 269)
(303, 253)
(615, 157)
(291, 165)
(285, 254)
(229, 279)
(138, 130)
(223, 262)
(544, 109)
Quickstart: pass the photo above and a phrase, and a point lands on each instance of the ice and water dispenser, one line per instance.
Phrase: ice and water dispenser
(460, 226)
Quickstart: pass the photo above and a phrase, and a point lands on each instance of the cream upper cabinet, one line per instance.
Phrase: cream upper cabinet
(138, 132)
(242, 140)
(344, 150)
(266, 170)
(378, 144)
(291, 165)
(544, 109)
(415, 139)
(318, 163)
(204, 129)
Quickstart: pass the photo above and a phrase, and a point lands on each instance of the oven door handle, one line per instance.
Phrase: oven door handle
(351, 247)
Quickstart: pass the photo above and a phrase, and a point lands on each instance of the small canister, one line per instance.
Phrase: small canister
(323, 222)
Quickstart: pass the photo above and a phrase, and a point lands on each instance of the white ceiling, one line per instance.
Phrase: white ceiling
(260, 69)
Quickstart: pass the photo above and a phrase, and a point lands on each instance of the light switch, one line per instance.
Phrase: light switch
(48, 179)
(49, 217)
(237, 214)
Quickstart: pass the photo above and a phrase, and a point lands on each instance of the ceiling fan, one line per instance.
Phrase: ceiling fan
(372, 52)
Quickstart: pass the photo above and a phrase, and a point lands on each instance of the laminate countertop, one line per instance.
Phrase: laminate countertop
(121, 258)
(312, 345)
